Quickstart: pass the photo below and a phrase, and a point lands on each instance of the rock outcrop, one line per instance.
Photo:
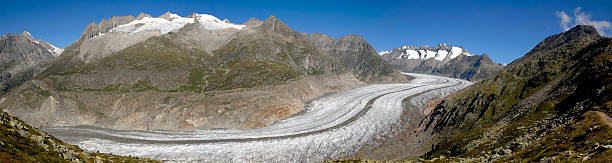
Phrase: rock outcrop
(21, 142)
(97, 29)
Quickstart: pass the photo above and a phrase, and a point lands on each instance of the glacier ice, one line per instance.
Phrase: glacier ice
(331, 127)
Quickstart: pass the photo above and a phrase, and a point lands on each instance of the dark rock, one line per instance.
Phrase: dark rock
(93, 29)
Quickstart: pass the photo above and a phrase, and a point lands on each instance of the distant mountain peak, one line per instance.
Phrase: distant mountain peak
(142, 15)
(96, 29)
(274, 24)
(442, 59)
(192, 15)
(27, 34)
(166, 14)
(21, 51)
(164, 23)
(252, 22)
(584, 29)
(169, 16)
(169, 22)
(440, 52)
(578, 32)
(272, 18)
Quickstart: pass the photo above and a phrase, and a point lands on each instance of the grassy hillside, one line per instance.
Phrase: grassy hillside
(165, 63)
(23, 143)
(551, 87)
(172, 82)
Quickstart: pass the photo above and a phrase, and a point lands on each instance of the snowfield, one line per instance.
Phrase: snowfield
(176, 22)
(411, 52)
(331, 127)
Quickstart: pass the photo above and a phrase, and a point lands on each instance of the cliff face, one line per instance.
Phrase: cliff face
(96, 29)
(563, 84)
(357, 55)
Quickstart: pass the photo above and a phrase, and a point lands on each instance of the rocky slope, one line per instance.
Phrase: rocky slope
(356, 54)
(551, 104)
(443, 59)
(186, 73)
(22, 57)
(21, 142)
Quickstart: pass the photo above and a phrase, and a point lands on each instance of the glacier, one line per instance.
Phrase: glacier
(331, 127)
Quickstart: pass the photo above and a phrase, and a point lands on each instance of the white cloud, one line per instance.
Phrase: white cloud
(582, 18)
(565, 20)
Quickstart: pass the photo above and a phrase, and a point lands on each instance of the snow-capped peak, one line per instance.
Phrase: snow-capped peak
(169, 22)
(169, 16)
(174, 15)
(26, 33)
(441, 52)
(383, 52)
(52, 49)
(56, 51)
(455, 51)
(213, 23)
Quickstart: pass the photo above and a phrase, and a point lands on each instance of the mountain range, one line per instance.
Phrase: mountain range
(195, 72)
(202, 73)
(443, 60)
(22, 57)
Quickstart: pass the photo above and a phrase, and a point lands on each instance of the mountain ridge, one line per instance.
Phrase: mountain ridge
(196, 69)
(557, 85)
(442, 59)
(22, 57)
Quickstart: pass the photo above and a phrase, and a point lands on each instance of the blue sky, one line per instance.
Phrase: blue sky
(505, 30)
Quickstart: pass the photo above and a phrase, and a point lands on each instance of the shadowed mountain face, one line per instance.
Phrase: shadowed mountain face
(351, 51)
(195, 72)
(560, 88)
(354, 53)
(22, 57)
(443, 60)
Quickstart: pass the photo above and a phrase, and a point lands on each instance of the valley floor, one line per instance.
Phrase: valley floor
(331, 127)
